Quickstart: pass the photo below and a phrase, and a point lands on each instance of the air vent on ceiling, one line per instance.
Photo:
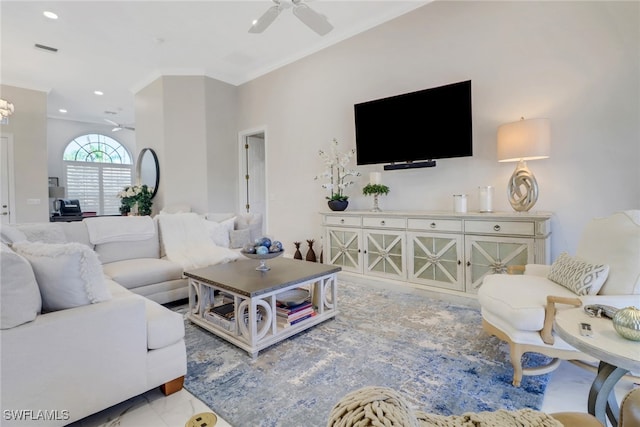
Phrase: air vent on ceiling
(47, 48)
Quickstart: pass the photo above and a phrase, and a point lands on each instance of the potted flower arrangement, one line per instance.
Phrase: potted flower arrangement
(375, 190)
(337, 173)
(136, 200)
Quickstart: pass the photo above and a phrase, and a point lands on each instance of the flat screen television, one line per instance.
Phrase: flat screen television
(413, 129)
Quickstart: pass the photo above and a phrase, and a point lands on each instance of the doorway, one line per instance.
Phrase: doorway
(253, 180)
(6, 179)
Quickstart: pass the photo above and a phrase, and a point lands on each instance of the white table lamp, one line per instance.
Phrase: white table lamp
(517, 142)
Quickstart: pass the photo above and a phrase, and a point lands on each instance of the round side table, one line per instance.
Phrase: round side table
(617, 357)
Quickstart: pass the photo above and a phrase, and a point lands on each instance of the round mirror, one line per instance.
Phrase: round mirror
(148, 170)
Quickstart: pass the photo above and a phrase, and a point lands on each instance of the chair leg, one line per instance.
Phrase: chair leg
(516, 352)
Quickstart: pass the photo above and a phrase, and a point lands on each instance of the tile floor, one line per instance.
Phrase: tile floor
(568, 390)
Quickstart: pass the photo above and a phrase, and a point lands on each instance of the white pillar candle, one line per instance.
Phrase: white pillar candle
(485, 196)
(375, 178)
(460, 203)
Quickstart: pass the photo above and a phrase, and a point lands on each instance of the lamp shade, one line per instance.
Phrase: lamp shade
(56, 192)
(524, 140)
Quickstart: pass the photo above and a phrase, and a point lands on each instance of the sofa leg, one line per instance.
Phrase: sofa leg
(172, 386)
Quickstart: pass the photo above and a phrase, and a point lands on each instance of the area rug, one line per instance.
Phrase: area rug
(432, 351)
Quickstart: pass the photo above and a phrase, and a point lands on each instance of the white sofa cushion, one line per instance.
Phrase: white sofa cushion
(68, 274)
(164, 327)
(578, 275)
(20, 300)
(132, 273)
(119, 251)
(615, 240)
(76, 231)
(9, 234)
(519, 299)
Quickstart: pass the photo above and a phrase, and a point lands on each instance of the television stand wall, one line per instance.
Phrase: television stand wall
(436, 250)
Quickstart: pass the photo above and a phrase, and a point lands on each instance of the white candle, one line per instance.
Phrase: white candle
(485, 194)
(375, 178)
(460, 203)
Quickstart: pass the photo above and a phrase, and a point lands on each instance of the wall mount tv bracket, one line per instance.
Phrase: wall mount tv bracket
(410, 165)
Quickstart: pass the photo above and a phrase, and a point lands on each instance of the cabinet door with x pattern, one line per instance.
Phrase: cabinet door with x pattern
(384, 254)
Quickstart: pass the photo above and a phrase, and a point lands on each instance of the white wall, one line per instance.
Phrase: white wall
(28, 126)
(576, 63)
(190, 122)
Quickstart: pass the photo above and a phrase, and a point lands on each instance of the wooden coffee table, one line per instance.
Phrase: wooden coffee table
(254, 324)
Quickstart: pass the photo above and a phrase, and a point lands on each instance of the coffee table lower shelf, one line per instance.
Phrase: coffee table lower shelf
(252, 332)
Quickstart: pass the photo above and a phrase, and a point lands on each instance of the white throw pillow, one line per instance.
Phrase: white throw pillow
(219, 232)
(20, 300)
(239, 238)
(68, 274)
(578, 275)
(253, 222)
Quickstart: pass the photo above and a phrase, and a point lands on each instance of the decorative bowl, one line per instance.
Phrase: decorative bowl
(263, 258)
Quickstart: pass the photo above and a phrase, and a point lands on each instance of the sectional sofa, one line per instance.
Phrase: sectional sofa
(82, 327)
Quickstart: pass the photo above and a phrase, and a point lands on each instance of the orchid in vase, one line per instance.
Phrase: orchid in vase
(337, 173)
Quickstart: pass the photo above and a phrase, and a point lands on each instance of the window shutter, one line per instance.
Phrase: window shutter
(83, 183)
(114, 179)
(96, 185)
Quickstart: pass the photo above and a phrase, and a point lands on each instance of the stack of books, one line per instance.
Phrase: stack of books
(227, 314)
(290, 315)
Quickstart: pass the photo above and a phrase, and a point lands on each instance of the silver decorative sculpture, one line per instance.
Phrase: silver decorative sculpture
(522, 188)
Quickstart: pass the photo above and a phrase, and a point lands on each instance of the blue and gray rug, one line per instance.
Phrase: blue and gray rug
(432, 351)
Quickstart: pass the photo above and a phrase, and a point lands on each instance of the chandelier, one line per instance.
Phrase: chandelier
(6, 108)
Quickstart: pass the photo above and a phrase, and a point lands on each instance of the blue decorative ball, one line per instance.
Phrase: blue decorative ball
(262, 250)
(265, 241)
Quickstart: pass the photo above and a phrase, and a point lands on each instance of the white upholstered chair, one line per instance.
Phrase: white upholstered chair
(513, 306)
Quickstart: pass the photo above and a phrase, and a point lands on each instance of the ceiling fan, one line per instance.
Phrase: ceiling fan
(312, 19)
(118, 126)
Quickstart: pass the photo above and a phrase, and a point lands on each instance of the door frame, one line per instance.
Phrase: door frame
(242, 138)
(10, 176)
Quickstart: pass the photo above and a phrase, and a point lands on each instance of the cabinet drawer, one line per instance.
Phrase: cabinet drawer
(382, 222)
(347, 221)
(434, 224)
(500, 227)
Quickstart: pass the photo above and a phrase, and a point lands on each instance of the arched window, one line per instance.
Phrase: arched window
(97, 167)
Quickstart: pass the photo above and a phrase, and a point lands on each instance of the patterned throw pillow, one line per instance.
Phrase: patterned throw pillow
(578, 275)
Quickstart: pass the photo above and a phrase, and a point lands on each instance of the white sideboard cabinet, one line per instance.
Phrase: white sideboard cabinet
(445, 250)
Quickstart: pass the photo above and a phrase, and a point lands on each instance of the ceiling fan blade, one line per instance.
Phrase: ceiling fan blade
(317, 22)
(266, 19)
(111, 122)
(129, 128)
(116, 129)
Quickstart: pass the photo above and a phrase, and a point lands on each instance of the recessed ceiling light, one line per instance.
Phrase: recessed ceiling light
(98, 92)
(50, 15)
(62, 110)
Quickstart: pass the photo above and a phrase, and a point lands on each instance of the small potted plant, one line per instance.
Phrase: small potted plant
(337, 174)
(375, 190)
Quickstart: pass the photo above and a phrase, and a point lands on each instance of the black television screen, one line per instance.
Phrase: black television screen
(428, 124)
